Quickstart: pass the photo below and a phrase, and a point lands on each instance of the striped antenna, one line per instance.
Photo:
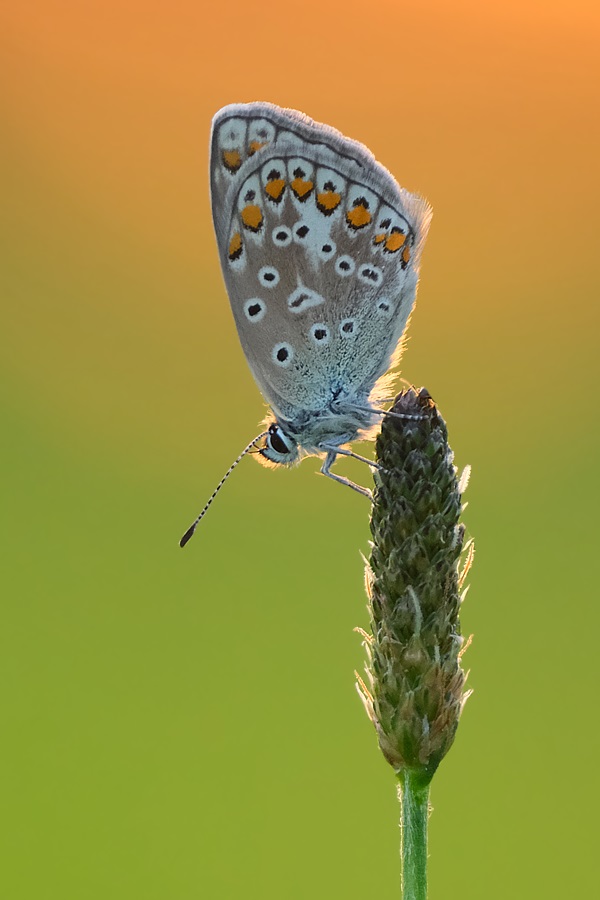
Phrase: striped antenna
(194, 524)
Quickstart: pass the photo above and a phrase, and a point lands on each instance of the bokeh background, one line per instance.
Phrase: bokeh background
(184, 724)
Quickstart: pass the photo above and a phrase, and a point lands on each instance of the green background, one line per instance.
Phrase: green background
(184, 724)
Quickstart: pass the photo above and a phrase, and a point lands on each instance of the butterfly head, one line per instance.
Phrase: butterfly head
(279, 448)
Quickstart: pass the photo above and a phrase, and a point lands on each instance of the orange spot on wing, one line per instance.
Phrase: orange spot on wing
(379, 238)
(328, 201)
(235, 246)
(252, 217)
(406, 255)
(254, 146)
(275, 188)
(301, 188)
(395, 241)
(358, 217)
(232, 160)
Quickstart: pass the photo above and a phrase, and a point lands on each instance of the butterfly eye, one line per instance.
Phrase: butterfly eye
(279, 448)
(277, 440)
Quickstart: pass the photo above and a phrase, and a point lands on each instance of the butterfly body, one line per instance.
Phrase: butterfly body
(320, 250)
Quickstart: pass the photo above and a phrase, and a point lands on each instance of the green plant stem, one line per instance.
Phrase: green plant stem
(414, 799)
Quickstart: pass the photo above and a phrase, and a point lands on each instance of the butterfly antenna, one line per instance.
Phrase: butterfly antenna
(194, 524)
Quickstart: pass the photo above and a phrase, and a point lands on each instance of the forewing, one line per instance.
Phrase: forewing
(320, 250)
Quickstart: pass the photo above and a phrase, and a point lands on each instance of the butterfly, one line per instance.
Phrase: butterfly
(320, 250)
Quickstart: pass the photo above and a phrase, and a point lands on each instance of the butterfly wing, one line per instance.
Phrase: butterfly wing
(320, 250)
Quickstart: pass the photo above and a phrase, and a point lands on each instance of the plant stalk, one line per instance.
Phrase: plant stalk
(413, 792)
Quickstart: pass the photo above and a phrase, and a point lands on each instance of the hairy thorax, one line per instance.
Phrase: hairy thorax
(337, 424)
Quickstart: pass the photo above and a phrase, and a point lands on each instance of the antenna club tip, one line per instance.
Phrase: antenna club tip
(192, 527)
(187, 536)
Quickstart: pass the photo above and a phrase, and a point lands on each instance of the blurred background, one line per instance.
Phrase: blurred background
(184, 724)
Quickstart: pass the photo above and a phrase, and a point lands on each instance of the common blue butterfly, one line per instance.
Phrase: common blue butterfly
(320, 250)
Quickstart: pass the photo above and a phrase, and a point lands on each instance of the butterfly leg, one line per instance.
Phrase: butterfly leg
(342, 452)
(325, 469)
(387, 412)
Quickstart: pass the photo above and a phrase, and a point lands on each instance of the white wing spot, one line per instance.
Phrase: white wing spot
(320, 333)
(282, 236)
(232, 133)
(344, 266)
(303, 298)
(268, 276)
(260, 132)
(327, 250)
(282, 354)
(370, 274)
(255, 309)
(383, 306)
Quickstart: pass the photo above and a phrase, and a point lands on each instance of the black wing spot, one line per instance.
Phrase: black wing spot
(370, 274)
(299, 300)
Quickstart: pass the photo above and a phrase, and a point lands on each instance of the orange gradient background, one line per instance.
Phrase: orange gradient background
(178, 725)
